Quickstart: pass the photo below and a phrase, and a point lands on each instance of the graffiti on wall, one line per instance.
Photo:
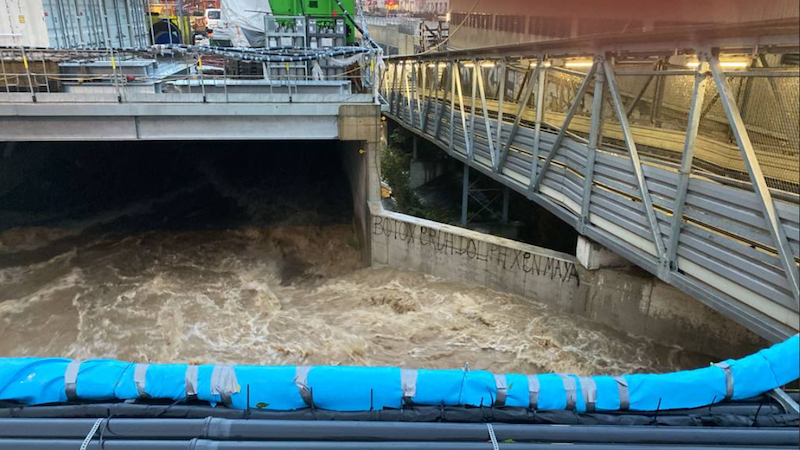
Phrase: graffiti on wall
(508, 258)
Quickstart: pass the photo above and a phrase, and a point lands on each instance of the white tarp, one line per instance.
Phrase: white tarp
(23, 23)
(245, 21)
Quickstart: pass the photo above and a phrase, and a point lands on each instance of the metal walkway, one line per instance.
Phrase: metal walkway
(678, 151)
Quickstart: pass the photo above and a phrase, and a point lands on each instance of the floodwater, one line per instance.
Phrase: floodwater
(240, 258)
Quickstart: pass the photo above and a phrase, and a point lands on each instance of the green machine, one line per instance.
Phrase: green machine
(324, 11)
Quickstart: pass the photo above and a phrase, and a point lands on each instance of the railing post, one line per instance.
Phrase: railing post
(595, 135)
(28, 72)
(684, 173)
(757, 178)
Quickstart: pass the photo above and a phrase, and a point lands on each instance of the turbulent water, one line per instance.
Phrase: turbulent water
(262, 269)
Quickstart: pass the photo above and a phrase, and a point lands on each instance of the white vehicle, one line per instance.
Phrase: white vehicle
(213, 19)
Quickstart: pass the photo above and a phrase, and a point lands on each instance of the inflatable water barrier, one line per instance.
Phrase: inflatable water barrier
(36, 381)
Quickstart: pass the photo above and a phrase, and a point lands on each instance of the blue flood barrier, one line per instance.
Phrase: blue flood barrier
(34, 381)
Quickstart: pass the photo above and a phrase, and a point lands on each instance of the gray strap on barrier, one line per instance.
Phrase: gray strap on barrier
(533, 389)
(71, 379)
(502, 390)
(140, 379)
(624, 394)
(191, 380)
(589, 391)
(224, 383)
(569, 387)
(301, 381)
(728, 379)
(408, 378)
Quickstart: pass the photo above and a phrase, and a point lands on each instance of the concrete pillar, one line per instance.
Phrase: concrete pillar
(506, 198)
(465, 196)
(593, 256)
(363, 123)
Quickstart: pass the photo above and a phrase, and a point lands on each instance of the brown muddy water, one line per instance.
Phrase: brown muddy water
(176, 255)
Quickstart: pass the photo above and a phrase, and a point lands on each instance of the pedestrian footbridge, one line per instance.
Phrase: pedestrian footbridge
(678, 151)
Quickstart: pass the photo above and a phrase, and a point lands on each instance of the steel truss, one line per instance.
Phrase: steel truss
(730, 242)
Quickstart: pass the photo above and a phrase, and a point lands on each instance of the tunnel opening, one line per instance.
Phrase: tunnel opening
(249, 253)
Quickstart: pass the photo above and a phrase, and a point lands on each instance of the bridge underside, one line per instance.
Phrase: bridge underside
(309, 117)
(690, 171)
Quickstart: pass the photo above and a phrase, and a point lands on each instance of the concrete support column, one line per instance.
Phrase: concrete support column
(363, 123)
(506, 198)
(593, 256)
(465, 196)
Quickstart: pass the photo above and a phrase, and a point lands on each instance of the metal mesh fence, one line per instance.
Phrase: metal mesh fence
(657, 108)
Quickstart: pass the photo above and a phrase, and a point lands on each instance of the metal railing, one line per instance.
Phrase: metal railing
(680, 155)
(185, 74)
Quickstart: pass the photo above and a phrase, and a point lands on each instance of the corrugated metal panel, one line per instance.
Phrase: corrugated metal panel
(75, 23)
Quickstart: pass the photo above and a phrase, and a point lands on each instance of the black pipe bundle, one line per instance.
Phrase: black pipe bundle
(242, 433)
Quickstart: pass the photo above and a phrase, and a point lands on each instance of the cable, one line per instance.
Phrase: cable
(360, 30)
(449, 35)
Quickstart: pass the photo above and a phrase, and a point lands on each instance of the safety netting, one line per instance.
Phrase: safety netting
(36, 381)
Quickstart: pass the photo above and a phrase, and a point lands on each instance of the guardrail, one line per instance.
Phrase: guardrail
(683, 161)
(187, 74)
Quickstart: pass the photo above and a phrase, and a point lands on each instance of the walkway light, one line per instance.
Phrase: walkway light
(579, 64)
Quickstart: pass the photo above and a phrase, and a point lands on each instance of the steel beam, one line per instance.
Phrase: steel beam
(467, 140)
(537, 127)
(393, 94)
(525, 97)
(698, 97)
(636, 162)
(482, 91)
(421, 88)
(472, 112)
(565, 126)
(595, 135)
(757, 178)
(501, 97)
(434, 91)
(453, 76)
(412, 95)
(441, 104)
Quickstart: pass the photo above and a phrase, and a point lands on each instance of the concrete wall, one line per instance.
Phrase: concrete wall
(623, 298)
(392, 36)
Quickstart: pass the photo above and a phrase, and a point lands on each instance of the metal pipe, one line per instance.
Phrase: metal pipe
(322, 430)
(205, 444)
